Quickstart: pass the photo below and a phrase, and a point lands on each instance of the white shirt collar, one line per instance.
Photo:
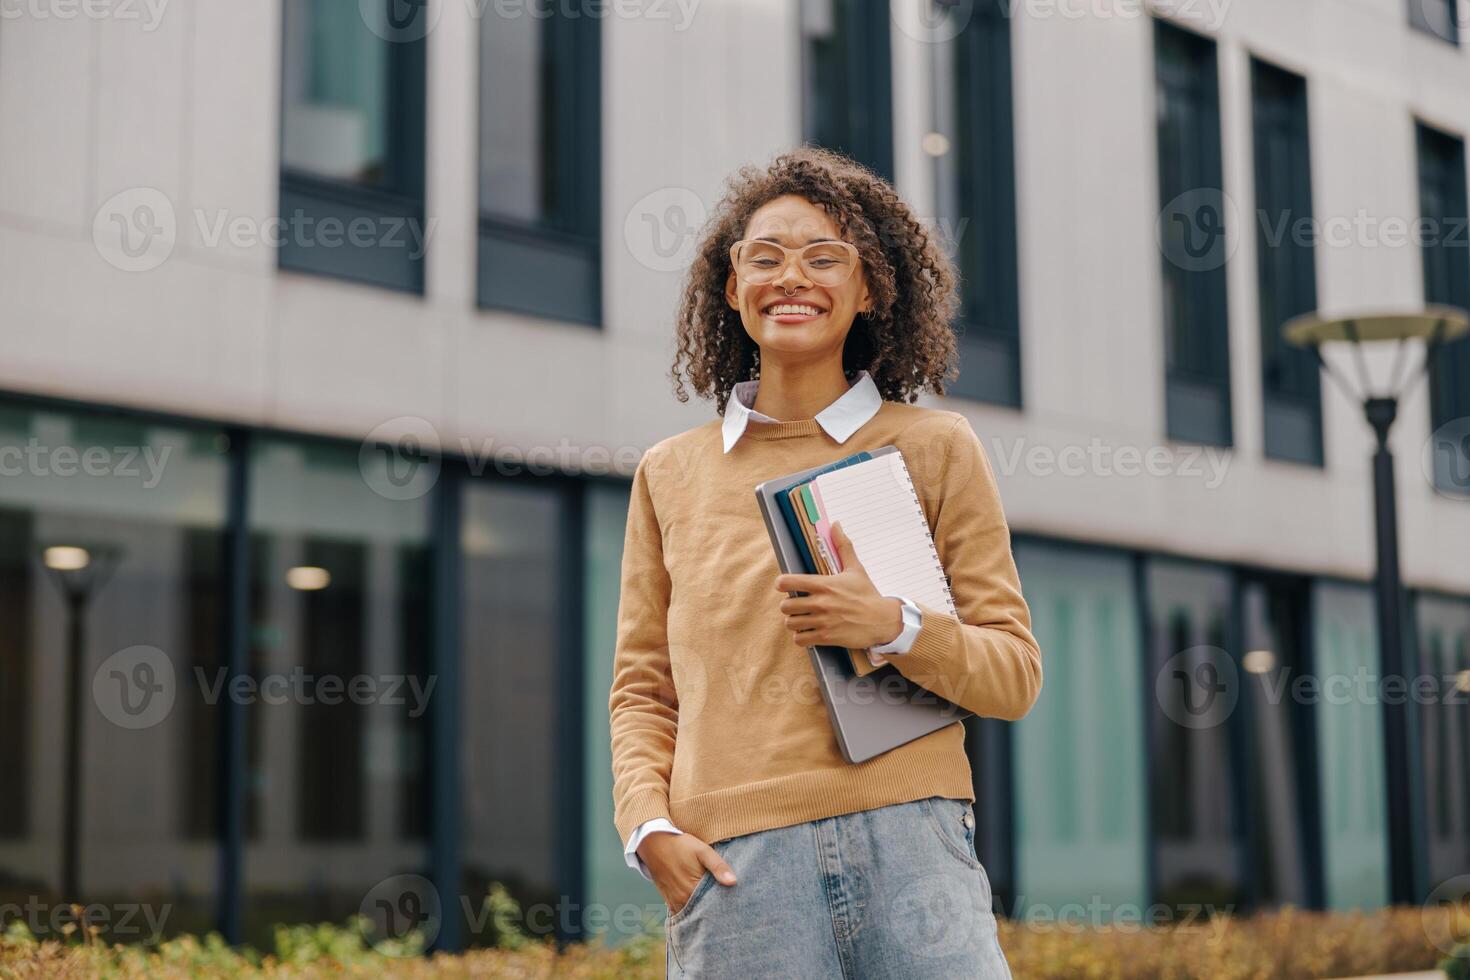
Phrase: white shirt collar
(839, 420)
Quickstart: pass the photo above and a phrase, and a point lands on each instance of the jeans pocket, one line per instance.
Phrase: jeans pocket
(953, 822)
(701, 887)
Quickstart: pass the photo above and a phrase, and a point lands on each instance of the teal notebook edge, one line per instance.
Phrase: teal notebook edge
(788, 510)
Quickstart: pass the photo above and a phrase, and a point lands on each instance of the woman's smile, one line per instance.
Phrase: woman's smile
(789, 312)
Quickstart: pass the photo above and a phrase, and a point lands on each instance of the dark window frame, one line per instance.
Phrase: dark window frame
(393, 262)
(867, 94)
(1443, 193)
(1286, 276)
(553, 268)
(1419, 20)
(1191, 189)
(987, 256)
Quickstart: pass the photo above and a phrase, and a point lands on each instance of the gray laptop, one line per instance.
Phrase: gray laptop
(880, 710)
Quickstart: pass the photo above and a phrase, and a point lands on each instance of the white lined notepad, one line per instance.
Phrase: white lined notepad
(876, 504)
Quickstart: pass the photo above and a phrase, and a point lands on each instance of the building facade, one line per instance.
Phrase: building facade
(333, 332)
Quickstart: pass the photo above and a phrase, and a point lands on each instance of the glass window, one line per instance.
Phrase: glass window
(1195, 777)
(1446, 252)
(352, 140)
(1080, 791)
(109, 538)
(340, 689)
(847, 68)
(339, 119)
(1444, 734)
(1285, 265)
(516, 828)
(977, 190)
(1437, 17)
(1279, 742)
(610, 883)
(540, 141)
(1350, 737)
(1192, 236)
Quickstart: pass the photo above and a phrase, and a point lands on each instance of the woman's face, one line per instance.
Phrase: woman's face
(792, 314)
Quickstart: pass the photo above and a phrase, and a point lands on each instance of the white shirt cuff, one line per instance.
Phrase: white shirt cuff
(904, 642)
(630, 853)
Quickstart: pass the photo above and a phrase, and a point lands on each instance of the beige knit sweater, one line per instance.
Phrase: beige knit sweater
(717, 720)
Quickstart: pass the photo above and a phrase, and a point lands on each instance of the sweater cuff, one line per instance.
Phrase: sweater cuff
(932, 654)
(640, 808)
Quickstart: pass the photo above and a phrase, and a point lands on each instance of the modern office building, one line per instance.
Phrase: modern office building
(333, 332)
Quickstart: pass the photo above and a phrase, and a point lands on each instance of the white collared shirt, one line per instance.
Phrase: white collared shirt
(849, 413)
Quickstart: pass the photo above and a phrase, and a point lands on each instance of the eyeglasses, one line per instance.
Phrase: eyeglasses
(823, 263)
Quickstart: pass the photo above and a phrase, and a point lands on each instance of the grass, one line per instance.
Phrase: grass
(1289, 945)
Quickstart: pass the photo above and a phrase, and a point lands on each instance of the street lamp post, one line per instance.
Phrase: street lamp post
(1434, 326)
(78, 573)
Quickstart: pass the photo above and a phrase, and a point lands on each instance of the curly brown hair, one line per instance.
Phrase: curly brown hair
(907, 342)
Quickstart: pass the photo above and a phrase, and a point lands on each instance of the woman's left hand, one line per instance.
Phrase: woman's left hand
(841, 610)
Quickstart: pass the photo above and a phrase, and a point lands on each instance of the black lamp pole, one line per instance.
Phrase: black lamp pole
(76, 607)
(78, 580)
(1398, 741)
(1396, 736)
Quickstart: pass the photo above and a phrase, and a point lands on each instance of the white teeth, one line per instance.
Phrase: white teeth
(789, 308)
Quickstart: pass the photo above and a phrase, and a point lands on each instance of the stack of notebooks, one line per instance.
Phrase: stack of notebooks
(873, 708)
(872, 496)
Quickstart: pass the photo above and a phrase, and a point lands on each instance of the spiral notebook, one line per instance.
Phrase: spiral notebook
(876, 504)
(872, 495)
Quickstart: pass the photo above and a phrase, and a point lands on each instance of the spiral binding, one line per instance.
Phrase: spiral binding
(933, 552)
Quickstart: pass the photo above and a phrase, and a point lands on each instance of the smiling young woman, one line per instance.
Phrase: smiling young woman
(816, 309)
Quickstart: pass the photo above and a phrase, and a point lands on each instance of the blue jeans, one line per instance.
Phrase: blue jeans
(896, 891)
